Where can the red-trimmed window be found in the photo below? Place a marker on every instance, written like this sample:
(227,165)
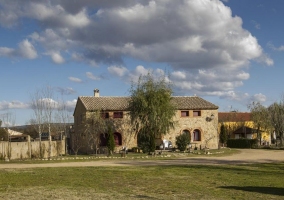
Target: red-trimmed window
(196,113)
(117,114)
(184,113)
(196,135)
(105,115)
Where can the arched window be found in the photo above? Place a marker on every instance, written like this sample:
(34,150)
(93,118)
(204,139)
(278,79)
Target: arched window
(186,132)
(196,135)
(117,139)
(103,138)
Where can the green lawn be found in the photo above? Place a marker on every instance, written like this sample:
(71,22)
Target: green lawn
(258,181)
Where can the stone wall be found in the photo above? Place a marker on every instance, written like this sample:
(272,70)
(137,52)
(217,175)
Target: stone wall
(207,124)
(31,149)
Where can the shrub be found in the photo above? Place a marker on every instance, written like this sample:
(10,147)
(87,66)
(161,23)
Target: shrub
(110,141)
(242,143)
(182,141)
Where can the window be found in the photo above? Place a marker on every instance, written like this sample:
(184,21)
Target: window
(105,115)
(81,119)
(186,132)
(185,113)
(103,140)
(196,113)
(196,135)
(117,139)
(117,114)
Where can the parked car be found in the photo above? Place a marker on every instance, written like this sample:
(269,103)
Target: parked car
(166,145)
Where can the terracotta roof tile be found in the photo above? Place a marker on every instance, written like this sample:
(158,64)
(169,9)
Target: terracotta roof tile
(234,116)
(121,103)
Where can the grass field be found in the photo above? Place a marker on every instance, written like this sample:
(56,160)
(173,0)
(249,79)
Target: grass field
(258,181)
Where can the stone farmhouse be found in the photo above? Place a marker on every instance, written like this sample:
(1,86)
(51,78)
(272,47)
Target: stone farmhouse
(194,116)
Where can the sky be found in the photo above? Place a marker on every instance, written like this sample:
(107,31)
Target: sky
(228,52)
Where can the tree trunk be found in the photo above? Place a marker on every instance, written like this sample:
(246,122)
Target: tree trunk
(152,143)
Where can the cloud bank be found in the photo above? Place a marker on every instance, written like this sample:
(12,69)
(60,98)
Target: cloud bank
(207,49)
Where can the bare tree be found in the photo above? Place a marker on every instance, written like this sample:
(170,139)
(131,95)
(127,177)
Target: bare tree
(63,119)
(9,119)
(276,113)
(77,141)
(49,105)
(38,113)
(43,106)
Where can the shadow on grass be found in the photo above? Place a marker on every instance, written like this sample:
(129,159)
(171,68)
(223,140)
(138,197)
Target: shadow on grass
(143,197)
(263,190)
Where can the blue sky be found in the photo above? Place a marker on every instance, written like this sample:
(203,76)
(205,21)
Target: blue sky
(227,52)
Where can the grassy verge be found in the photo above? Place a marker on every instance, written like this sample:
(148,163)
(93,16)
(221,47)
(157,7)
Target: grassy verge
(258,181)
(130,155)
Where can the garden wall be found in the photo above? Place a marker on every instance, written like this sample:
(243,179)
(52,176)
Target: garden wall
(31,149)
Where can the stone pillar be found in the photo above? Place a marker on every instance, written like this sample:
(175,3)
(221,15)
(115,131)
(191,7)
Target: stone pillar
(49,147)
(29,146)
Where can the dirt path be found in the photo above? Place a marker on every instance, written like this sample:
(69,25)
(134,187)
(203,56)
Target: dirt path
(247,156)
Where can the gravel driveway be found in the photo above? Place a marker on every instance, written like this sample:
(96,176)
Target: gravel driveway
(247,156)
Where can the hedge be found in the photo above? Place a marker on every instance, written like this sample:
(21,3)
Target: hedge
(242,143)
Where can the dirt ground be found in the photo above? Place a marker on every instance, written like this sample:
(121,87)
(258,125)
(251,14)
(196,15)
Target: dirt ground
(247,156)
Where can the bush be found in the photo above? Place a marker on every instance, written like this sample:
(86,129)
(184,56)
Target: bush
(242,143)
(3,135)
(182,141)
(110,141)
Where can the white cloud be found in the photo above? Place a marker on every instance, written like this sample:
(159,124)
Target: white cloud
(25,50)
(74,79)
(57,58)
(5,51)
(71,105)
(205,46)
(4,105)
(90,75)
(242,75)
(66,91)
(280,48)
(256,25)
(117,70)
(259,98)
(178,75)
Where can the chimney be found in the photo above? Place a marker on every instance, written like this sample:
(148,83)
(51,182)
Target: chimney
(96,93)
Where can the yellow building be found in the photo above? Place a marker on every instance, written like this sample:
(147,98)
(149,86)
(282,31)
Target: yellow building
(240,125)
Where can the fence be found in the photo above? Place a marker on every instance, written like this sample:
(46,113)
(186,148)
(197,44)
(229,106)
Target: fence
(31,149)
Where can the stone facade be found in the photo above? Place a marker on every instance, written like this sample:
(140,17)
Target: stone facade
(30,149)
(195,116)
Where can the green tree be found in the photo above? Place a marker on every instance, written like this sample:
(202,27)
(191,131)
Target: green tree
(182,141)
(151,108)
(110,141)
(260,118)
(223,134)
